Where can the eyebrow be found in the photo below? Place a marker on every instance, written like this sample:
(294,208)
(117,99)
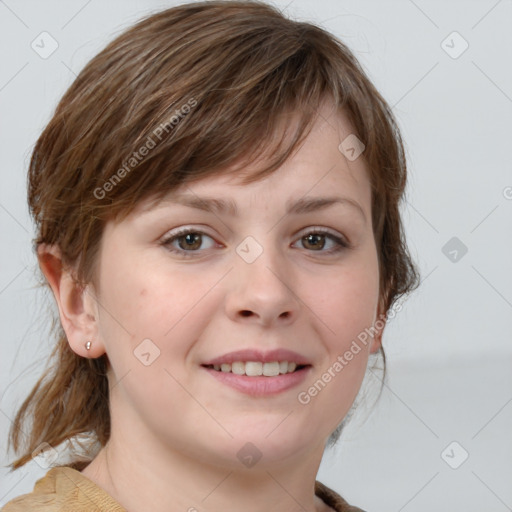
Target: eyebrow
(301,206)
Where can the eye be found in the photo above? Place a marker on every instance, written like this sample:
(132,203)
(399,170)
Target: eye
(316,239)
(188,240)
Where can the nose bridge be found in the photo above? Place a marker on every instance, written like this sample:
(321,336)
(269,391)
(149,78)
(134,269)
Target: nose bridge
(260,260)
(263,278)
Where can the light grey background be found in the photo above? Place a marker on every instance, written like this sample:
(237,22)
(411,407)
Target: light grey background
(450,348)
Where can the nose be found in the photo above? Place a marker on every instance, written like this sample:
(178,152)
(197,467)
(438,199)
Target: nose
(262,291)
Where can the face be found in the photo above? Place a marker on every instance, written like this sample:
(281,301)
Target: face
(258,280)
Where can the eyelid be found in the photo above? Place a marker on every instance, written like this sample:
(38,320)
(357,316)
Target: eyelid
(341,241)
(179,232)
(184,230)
(201,230)
(325,231)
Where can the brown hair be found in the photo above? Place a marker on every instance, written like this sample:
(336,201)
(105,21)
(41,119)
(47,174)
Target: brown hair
(229,72)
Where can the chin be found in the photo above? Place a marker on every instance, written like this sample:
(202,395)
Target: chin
(276,443)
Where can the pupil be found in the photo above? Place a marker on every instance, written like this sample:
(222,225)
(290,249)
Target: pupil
(309,237)
(191,239)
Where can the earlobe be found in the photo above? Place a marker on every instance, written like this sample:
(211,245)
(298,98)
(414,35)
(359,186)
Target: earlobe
(77,315)
(376,343)
(378,326)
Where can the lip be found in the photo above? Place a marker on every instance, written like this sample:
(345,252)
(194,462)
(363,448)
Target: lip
(280,354)
(261,385)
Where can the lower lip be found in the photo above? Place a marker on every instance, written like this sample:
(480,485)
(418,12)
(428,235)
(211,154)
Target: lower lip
(261,385)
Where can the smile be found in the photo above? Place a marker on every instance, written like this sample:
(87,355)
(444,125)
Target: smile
(259,385)
(257,368)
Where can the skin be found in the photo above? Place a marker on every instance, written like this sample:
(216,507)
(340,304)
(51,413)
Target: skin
(176,430)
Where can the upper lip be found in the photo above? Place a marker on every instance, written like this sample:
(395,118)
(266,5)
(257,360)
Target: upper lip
(280,354)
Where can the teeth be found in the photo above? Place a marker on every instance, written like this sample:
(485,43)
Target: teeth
(271,369)
(238,367)
(257,368)
(253,369)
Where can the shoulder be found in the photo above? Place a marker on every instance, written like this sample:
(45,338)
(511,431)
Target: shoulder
(333,499)
(64,489)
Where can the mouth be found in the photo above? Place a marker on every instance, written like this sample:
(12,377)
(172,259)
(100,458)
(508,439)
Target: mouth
(258,368)
(259,374)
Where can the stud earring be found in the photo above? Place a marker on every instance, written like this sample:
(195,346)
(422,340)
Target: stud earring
(88,345)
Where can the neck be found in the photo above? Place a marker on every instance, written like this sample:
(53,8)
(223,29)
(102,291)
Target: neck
(171,481)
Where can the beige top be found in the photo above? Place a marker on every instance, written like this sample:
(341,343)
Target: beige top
(64,489)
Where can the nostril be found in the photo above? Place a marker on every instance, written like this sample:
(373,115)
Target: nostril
(246,313)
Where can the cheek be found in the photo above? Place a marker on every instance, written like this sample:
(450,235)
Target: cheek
(146,327)
(349,304)
(145,301)
(347,313)
(351,318)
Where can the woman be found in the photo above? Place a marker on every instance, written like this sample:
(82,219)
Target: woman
(217,205)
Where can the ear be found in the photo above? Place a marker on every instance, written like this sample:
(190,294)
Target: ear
(378,327)
(77,307)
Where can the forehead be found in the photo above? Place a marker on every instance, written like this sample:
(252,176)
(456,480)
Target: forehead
(320,166)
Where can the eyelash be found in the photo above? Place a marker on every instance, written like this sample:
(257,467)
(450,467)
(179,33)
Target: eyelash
(341,244)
